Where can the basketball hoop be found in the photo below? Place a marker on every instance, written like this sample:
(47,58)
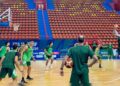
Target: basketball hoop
(16,27)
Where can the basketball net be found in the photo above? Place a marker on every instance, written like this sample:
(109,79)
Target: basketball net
(16,27)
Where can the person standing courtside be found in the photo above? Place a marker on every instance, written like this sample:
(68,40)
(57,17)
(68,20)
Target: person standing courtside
(80,71)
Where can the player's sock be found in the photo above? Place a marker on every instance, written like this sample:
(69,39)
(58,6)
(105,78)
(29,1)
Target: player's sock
(100,66)
(29,78)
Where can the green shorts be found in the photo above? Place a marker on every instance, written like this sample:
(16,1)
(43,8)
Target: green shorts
(48,57)
(99,57)
(26,63)
(80,79)
(11,73)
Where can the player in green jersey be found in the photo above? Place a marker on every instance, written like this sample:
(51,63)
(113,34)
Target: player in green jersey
(29,57)
(80,71)
(26,56)
(110,51)
(3,50)
(49,55)
(8,65)
(97,53)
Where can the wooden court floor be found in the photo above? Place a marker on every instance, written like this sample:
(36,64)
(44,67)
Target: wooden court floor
(109,75)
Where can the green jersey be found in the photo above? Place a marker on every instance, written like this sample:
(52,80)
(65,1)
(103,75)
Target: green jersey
(24,57)
(29,53)
(110,49)
(94,45)
(3,51)
(9,61)
(49,51)
(97,52)
(79,55)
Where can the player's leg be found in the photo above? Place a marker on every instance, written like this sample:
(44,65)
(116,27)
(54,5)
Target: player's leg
(52,60)
(47,63)
(100,62)
(3,73)
(74,80)
(85,78)
(13,75)
(111,56)
(24,65)
(29,71)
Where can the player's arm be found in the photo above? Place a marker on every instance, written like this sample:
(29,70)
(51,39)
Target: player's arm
(24,49)
(63,62)
(2,59)
(62,66)
(17,63)
(93,56)
(8,49)
(1,48)
(116,33)
(46,52)
(33,58)
(95,59)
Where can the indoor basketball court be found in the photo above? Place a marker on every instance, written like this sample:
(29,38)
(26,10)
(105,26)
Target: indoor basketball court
(40,37)
(107,76)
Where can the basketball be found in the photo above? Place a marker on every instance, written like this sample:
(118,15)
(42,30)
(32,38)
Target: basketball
(68,63)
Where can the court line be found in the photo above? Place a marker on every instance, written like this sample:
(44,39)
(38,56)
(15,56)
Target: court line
(113,80)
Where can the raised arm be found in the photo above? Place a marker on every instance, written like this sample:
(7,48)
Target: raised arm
(116,33)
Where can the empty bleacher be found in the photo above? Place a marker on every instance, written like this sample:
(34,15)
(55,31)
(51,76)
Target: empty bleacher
(73,17)
(22,15)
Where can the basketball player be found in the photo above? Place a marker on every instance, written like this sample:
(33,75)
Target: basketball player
(23,61)
(94,45)
(80,71)
(97,53)
(27,54)
(21,49)
(4,49)
(87,44)
(48,55)
(29,57)
(8,65)
(110,50)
